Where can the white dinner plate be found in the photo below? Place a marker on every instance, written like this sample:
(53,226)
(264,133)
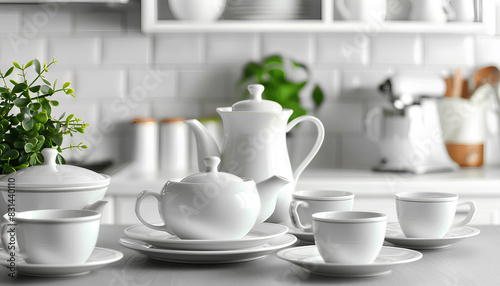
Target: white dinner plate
(302,236)
(99,258)
(209,256)
(395,235)
(259,235)
(309,258)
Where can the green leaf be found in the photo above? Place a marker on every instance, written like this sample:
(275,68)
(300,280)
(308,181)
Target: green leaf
(34,106)
(60,159)
(3,89)
(35,88)
(33,141)
(41,141)
(19,144)
(10,155)
(12,136)
(32,159)
(273,59)
(13,81)
(45,89)
(28,64)
(66,84)
(16,65)
(68,119)
(36,65)
(28,147)
(22,166)
(41,117)
(14,121)
(46,81)
(23,158)
(19,87)
(69,91)
(80,129)
(58,139)
(317,96)
(39,158)
(21,102)
(9,71)
(8,169)
(62,116)
(28,123)
(4,123)
(54,103)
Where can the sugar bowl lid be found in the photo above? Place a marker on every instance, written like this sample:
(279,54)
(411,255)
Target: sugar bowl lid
(255,102)
(212,175)
(53,177)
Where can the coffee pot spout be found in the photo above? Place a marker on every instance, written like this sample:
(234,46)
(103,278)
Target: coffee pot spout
(269,190)
(205,143)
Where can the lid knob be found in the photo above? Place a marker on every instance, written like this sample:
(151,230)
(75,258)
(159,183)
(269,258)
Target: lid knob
(256,91)
(49,156)
(212,162)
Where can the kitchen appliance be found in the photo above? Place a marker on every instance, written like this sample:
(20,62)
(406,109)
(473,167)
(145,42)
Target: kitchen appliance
(255,144)
(408,132)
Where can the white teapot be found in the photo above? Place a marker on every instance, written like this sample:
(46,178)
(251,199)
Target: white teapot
(213,205)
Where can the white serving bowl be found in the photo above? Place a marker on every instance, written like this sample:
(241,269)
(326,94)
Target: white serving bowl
(197,10)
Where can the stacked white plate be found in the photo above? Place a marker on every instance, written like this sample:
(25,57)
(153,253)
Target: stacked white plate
(265,9)
(262,240)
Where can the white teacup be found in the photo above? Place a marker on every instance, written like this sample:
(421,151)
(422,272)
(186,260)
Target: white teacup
(349,237)
(362,10)
(51,236)
(429,214)
(306,203)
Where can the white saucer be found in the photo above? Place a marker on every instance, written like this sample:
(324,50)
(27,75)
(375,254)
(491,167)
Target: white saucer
(259,235)
(98,258)
(309,258)
(302,236)
(395,235)
(209,256)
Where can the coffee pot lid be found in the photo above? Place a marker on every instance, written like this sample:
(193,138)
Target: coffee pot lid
(212,175)
(255,102)
(53,177)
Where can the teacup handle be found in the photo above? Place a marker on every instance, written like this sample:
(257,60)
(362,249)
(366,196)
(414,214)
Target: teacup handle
(294,215)
(470,215)
(138,202)
(316,146)
(5,237)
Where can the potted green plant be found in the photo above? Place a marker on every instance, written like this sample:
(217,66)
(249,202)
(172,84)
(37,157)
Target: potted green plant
(26,122)
(274,73)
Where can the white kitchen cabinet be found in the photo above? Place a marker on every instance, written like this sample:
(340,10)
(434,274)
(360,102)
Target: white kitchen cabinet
(156,18)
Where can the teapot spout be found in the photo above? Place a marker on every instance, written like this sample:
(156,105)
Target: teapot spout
(97,206)
(268,192)
(205,143)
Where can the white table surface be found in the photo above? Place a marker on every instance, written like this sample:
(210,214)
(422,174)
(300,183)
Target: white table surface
(474,261)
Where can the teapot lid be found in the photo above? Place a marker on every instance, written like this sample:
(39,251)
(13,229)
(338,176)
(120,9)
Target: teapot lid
(255,102)
(53,177)
(212,175)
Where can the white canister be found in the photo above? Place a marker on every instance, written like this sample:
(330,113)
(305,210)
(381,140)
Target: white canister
(174,147)
(145,151)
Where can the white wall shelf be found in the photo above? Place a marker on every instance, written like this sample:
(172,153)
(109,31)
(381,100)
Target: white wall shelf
(325,22)
(64,1)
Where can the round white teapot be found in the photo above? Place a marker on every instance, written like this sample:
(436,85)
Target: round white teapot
(213,205)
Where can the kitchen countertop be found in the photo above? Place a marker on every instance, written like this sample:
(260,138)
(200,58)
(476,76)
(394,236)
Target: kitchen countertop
(477,181)
(473,261)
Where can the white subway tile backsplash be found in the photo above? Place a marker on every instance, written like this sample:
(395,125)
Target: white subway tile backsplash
(232,48)
(47,21)
(487,51)
(358,153)
(363,83)
(179,48)
(343,48)
(98,22)
(298,47)
(122,111)
(101,83)
(329,80)
(397,49)
(22,50)
(155,82)
(202,84)
(449,50)
(76,50)
(342,117)
(126,50)
(168,109)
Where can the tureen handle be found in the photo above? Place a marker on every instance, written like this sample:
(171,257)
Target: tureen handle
(49,156)
(316,146)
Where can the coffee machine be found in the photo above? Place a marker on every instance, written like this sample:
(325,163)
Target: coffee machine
(408,131)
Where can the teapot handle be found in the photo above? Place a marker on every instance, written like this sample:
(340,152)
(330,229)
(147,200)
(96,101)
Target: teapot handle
(138,202)
(316,146)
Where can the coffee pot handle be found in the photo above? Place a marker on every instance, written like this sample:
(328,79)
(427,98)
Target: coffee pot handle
(138,202)
(316,146)
(370,125)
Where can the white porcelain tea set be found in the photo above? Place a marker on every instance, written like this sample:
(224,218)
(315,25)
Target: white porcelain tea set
(221,214)
(51,221)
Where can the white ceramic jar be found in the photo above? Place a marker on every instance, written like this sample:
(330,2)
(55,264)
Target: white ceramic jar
(174,147)
(197,10)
